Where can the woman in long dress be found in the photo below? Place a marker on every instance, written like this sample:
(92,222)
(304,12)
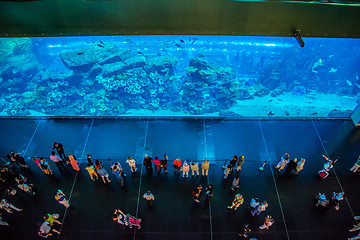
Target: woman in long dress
(74,162)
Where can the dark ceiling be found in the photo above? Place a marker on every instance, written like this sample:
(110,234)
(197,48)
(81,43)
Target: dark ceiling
(185,17)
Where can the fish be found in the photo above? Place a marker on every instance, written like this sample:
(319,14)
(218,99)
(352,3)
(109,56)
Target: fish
(178,45)
(287,113)
(99,45)
(141,53)
(348,83)
(271,113)
(192,42)
(315,113)
(332,70)
(80,53)
(331,56)
(102,42)
(182,41)
(317,64)
(270,100)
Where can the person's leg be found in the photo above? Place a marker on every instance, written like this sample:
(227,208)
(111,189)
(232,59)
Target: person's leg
(183,173)
(197,172)
(207,171)
(165,169)
(192,172)
(59,166)
(15,208)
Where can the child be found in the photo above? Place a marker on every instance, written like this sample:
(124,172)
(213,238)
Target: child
(209,191)
(246,231)
(62,199)
(238,200)
(196,193)
(185,169)
(235,183)
(45,166)
(132,164)
(91,169)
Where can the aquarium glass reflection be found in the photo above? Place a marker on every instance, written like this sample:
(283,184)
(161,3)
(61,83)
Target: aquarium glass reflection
(210,76)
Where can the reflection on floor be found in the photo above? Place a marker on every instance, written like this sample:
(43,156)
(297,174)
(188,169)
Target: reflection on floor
(174,214)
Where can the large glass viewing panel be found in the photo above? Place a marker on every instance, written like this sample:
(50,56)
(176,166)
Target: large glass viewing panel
(158,76)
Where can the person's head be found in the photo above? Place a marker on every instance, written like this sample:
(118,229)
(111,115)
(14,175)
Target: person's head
(156,158)
(257,200)
(179,159)
(34,158)
(129,157)
(55,143)
(206,161)
(199,186)
(268,217)
(286,158)
(192,163)
(41,159)
(242,157)
(148,192)
(97,162)
(235,157)
(53,153)
(146,156)
(116,164)
(237,178)
(45,216)
(264,203)
(166,155)
(295,160)
(89,164)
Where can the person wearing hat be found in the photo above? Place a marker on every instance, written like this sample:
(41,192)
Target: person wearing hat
(149,198)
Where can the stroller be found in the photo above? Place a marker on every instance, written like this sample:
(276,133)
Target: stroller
(126,219)
(132,221)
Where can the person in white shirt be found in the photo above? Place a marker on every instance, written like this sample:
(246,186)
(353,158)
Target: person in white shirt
(149,198)
(132,164)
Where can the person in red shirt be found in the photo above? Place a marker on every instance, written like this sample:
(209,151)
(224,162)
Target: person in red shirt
(177,165)
(156,161)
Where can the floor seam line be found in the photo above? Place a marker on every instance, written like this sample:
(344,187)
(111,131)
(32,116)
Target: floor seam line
(32,137)
(276,188)
(337,178)
(73,186)
(208,181)
(142,167)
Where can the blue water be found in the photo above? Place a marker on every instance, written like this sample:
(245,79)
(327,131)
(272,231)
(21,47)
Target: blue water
(178,75)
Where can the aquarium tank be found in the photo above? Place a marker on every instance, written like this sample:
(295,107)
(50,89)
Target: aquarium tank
(178,76)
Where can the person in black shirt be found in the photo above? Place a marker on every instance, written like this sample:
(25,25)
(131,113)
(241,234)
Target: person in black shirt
(19,160)
(60,149)
(290,167)
(209,191)
(233,163)
(163,163)
(196,193)
(148,164)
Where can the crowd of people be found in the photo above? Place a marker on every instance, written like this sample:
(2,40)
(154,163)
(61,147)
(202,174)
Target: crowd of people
(97,172)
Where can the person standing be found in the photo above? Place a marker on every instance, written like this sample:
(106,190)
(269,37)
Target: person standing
(163,163)
(185,169)
(227,171)
(194,168)
(233,163)
(89,158)
(177,165)
(196,193)
(58,161)
(103,174)
(60,149)
(156,164)
(148,164)
(269,221)
(61,198)
(74,162)
(19,160)
(356,165)
(235,184)
(238,200)
(299,166)
(92,172)
(209,192)
(149,198)
(283,162)
(240,163)
(205,168)
(260,208)
(291,166)
(118,174)
(132,164)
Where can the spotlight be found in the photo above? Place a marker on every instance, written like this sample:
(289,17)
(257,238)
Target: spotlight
(299,39)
